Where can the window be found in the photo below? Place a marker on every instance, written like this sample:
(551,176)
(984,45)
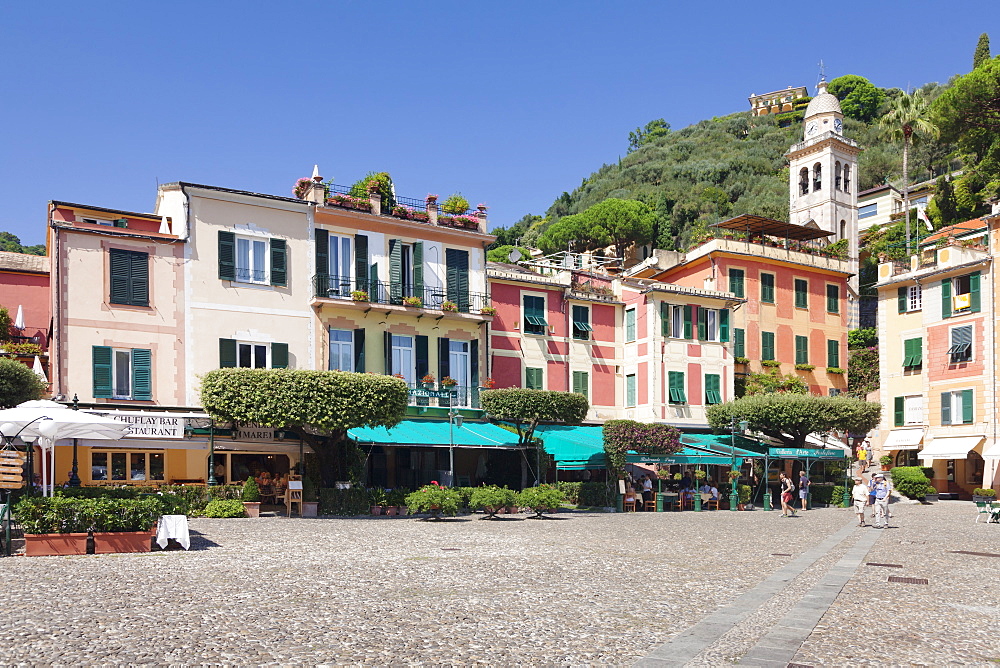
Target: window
(341,350)
(802,350)
(961,344)
(837,175)
(767,288)
(533,379)
(909,298)
(960,295)
(913,353)
(910,410)
(129,277)
(957,407)
(868,210)
(736,280)
(126,466)
(675,387)
(834,392)
(340,265)
(713,324)
(252,259)
(581,323)
(630,390)
(713,391)
(833,353)
(833,299)
(252,355)
(739,343)
(630,325)
(534,315)
(581,383)
(801,293)
(767,345)
(122,373)
(677,322)
(817,177)
(847,178)
(459,362)
(804,181)
(402,360)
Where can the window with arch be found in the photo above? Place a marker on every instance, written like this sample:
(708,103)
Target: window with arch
(817,176)
(837,173)
(843,229)
(804,181)
(847,178)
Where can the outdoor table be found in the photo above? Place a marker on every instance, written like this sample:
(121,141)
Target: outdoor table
(176,527)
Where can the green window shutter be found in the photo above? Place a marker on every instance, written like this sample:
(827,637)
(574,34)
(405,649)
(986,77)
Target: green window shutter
(361,262)
(139,272)
(767,345)
(422,354)
(279,262)
(724,325)
(664,319)
(374,292)
(902,300)
(630,390)
(946,298)
(833,353)
(581,323)
(675,385)
(322,263)
(974,298)
(702,323)
(802,350)
(227,256)
(739,343)
(907,353)
(359,350)
(457,277)
(533,379)
(444,357)
(832,299)
(767,288)
(387,350)
(227,353)
(581,383)
(897,413)
(968,409)
(120,269)
(736,282)
(474,362)
(395,271)
(713,394)
(801,293)
(688,317)
(142,374)
(945,408)
(101,360)
(418,269)
(279,355)
(918,352)
(630,325)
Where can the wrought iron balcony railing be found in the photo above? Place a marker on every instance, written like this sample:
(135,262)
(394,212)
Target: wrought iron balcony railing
(403,294)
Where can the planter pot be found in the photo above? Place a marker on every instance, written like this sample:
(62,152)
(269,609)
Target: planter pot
(931,498)
(252,508)
(511,510)
(310,508)
(121,541)
(375,510)
(975,498)
(391,511)
(55,544)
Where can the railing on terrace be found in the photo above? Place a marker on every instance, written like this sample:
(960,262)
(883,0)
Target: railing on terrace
(402,294)
(410,203)
(462,396)
(790,245)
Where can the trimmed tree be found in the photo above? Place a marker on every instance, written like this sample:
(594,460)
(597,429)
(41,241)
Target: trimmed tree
(319,406)
(789,418)
(18,383)
(620,436)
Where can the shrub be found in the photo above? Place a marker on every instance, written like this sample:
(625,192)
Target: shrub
(570,491)
(126,514)
(979,491)
(910,481)
(540,498)
(343,502)
(745,492)
(928,471)
(837,496)
(456,204)
(397,497)
(492,498)
(377,497)
(435,499)
(251,493)
(225,508)
(68,514)
(465,494)
(600,494)
(821,493)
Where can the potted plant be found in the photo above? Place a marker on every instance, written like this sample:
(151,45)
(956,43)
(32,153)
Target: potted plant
(310,498)
(541,499)
(251,497)
(678,476)
(488,384)
(734,475)
(699,474)
(434,499)
(931,495)
(984,495)
(359,295)
(455,204)
(449,305)
(744,491)
(664,474)
(413,301)
(488,310)
(886,462)
(376,500)
(428,381)
(491,499)
(125,525)
(53,526)
(448,381)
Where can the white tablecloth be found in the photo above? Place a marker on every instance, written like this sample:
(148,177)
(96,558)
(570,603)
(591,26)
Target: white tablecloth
(176,527)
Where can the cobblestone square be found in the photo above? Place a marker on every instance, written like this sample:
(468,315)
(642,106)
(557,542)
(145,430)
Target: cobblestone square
(579,589)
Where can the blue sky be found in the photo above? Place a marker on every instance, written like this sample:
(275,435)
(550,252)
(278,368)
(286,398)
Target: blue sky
(508,102)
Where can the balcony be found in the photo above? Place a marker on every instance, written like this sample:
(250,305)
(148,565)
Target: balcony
(398,294)
(407,208)
(792,251)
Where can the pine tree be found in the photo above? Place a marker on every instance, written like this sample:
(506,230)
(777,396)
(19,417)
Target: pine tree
(982,51)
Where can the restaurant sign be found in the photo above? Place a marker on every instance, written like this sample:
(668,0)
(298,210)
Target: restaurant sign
(149,425)
(438,394)
(254,432)
(707,460)
(804,453)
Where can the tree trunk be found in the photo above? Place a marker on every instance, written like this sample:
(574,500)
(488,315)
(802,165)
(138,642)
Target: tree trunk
(906,185)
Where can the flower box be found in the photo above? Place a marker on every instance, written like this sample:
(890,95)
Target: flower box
(56,544)
(112,542)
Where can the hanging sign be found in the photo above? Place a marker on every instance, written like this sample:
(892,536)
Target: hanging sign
(804,453)
(433,394)
(254,432)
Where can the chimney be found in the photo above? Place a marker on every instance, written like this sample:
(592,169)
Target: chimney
(316,192)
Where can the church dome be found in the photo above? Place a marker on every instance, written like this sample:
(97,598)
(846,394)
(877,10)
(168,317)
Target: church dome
(823,102)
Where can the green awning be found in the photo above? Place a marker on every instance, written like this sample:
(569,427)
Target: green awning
(722,444)
(574,448)
(685,456)
(436,433)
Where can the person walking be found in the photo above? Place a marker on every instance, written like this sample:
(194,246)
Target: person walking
(881,489)
(860,496)
(803,488)
(863,457)
(787,487)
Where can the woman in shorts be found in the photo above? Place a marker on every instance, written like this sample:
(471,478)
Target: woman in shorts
(787,487)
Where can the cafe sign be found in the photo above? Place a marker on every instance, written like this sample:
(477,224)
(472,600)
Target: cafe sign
(438,394)
(804,453)
(150,425)
(251,431)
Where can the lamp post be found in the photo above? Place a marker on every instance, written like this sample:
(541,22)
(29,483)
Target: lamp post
(74,477)
(734,481)
(212,481)
(454,419)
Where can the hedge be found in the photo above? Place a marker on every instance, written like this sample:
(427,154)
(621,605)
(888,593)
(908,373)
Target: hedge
(601,494)
(343,502)
(910,481)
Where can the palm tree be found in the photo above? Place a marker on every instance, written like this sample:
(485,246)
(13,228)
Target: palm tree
(908,117)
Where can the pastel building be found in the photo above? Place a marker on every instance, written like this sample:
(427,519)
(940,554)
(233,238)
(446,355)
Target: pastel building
(24,288)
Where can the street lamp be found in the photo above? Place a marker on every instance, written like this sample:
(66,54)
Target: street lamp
(734,481)
(74,476)
(454,419)
(212,481)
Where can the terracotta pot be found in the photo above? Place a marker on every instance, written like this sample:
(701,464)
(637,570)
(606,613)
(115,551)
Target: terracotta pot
(252,508)
(391,511)
(375,510)
(310,508)
(121,541)
(55,544)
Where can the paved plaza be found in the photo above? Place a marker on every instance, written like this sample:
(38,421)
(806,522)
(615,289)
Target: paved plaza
(699,589)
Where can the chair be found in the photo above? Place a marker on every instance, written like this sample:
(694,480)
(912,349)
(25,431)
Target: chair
(628,504)
(707,502)
(671,502)
(650,504)
(984,509)
(293,495)
(267,492)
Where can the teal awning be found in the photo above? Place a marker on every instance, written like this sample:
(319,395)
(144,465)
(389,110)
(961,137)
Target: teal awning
(805,453)
(574,448)
(685,456)
(436,433)
(722,444)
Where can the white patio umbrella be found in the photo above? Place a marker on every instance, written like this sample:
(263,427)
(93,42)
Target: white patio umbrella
(39,370)
(19,320)
(48,422)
